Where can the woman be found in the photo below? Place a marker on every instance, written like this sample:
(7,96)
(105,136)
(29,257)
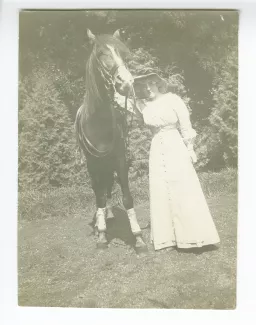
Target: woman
(178,209)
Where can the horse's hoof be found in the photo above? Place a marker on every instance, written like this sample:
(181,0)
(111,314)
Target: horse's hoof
(102,242)
(141,249)
(102,245)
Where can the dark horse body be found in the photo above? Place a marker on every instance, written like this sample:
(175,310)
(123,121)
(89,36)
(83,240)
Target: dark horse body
(100,128)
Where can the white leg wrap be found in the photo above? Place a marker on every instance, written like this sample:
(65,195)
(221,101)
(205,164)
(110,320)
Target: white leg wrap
(133,221)
(101,219)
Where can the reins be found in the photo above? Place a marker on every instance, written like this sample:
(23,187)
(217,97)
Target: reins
(128,128)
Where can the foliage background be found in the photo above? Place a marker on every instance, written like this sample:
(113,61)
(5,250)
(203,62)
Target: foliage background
(197,51)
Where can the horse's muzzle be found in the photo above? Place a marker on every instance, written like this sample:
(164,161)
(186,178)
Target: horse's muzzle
(123,80)
(123,89)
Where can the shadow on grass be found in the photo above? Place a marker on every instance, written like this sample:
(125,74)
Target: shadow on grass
(118,227)
(197,250)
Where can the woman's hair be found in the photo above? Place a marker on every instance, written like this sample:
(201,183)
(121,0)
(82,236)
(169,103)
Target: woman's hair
(162,86)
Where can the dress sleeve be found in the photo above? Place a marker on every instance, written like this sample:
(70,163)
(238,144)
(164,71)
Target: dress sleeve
(188,133)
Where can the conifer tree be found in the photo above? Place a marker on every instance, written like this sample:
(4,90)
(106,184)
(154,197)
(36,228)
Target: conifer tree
(224,117)
(46,139)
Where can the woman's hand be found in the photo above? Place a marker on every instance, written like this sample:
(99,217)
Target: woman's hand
(191,152)
(192,155)
(141,105)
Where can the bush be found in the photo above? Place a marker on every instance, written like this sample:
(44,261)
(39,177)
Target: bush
(196,53)
(47,147)
(217,143)
(224,117)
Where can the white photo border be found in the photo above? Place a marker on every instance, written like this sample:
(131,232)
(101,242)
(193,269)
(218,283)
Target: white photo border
(246,297)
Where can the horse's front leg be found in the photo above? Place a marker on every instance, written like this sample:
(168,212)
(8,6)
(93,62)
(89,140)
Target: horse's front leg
(101,214)
(127,199)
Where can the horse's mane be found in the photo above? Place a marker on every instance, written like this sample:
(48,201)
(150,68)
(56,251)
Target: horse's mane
(97,75)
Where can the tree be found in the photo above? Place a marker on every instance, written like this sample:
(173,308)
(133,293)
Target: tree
(46,139)
(196,51)
(224,117)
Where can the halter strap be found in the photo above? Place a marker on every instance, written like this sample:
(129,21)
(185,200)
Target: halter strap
(114,70)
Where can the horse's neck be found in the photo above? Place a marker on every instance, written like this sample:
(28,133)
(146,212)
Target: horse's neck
(106,89)
(104,105)
(107,95)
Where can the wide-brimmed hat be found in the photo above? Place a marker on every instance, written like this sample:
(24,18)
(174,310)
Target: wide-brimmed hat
(141,81)
(144,79)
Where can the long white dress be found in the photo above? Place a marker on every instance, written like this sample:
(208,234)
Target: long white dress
(178,210)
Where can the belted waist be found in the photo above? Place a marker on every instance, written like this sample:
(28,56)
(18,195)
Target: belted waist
(166,128)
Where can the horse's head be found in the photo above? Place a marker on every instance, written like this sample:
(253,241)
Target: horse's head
(109,50)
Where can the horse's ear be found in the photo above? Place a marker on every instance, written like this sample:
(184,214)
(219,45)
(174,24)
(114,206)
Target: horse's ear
(117,34)
(90,35)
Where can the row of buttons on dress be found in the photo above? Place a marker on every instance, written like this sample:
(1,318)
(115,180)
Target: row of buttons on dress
(166,175)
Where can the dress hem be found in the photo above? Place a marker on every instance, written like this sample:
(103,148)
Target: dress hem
(185,245)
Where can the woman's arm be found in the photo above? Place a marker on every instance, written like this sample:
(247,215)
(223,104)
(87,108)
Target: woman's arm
(187,131)
(139,106)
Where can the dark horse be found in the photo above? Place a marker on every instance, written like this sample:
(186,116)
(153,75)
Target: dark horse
(100,129)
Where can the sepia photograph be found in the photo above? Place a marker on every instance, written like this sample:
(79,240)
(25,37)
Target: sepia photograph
(128,158)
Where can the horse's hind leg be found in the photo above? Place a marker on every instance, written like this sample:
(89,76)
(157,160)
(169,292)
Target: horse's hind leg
(122,172)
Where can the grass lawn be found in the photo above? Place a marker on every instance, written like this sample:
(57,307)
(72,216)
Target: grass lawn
(60,266)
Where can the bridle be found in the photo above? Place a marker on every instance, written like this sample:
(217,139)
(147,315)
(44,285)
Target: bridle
(128,128)
(114,69)
(113,73)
